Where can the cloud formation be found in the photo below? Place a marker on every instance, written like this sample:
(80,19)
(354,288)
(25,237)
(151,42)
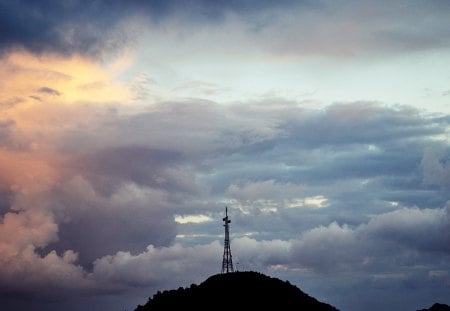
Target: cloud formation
(123,177)
(116,164)
(96,28)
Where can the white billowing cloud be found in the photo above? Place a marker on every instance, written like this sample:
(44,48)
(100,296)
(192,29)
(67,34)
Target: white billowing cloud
(21,234)
(318,201)
(323,249)
(326,249)
(386,237)
(159,266)
(255,254)
(184,219)
(26,228)
(266,195)
(270,195)
(421,229)
(31,226)
(373,246)
(179,263)
(53,274)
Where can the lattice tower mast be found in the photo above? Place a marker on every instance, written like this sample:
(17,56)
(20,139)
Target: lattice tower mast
(227,262)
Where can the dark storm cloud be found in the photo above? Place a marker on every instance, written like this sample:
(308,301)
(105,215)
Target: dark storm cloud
(140,165)
(360,123)
(343,141)
(114,224)
(87,27)
(372,165)
(81,26)
(125,201)
(96,28)
(51,25)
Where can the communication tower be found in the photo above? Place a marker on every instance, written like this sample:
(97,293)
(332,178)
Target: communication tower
(227,262)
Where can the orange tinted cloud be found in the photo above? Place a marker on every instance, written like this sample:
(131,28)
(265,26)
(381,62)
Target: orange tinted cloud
(42,100)
(42,97)
(32,80)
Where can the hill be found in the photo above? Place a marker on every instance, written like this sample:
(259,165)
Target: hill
(437,307)
(235,291)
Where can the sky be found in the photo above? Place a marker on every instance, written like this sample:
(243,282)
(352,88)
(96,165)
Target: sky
(126,127)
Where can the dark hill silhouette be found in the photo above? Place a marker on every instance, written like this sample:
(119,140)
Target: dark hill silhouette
(235,291)
(437,307)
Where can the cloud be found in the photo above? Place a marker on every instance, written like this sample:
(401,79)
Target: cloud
(289,30)
(435,168)
(92,183)
(58,274)
(22,229)
(268,189)
(295,28)
(159,266)
(363,122)
(48,90)
(122,190)
(253,254)
(323,249)
(6,128)
(60,27)
(367,27)
(191,219)
(374,247)
(386,239)
(326,249)
(423,229)
(95,29)
(22,233)
(140,165)
(67,76)
(128,218)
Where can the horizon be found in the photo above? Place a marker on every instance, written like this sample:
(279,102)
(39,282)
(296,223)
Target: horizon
(127,127)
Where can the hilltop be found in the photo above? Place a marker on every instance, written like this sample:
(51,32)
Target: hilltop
(437,307)
(235,291)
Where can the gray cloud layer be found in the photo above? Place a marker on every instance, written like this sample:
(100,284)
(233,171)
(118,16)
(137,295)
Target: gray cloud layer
(356,188)
(350,197)
(345,28)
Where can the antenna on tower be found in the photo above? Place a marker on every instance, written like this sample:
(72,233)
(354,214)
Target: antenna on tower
(227,262)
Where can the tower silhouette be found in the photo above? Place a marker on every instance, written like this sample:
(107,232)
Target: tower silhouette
(227,262)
